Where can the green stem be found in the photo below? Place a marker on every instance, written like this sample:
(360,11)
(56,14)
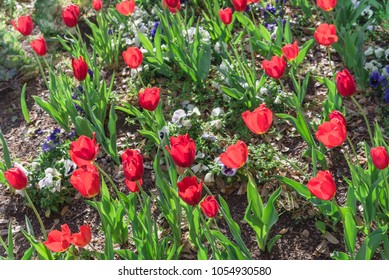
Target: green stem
(365,118)
(41,70)
(108,178)
(36,214)
(353,149)
(386,174)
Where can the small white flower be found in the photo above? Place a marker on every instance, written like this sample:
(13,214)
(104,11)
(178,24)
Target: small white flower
(216,124)
(47,181)
(70,166)
(387,54)
(379,52)
(367,13)
(385,71)
(164,132)
(187,124)
(369,51)
(217,112)
(263,91)
(178,115)
(57,186)
(209,178)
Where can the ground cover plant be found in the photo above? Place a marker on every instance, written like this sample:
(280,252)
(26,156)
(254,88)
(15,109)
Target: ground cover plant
(194,130)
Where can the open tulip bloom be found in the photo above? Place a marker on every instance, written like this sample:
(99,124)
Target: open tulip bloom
(25,25)
(235,155)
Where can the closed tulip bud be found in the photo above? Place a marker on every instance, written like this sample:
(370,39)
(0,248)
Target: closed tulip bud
(235,155)
(291,51)
(182,150)
(332,134)
(84,150)
(133,186)
(209,206)
(149,98)
(39,46)
(275,67)
(345,83)
(59,241)
(190,190)
(379,155)
(70,15)
(16,178)
(173,5)
(82,238)
(133,167)
(86,181)
(240,5)
(225,15)
(25,25)
(259,121)
(126,8)
(326,5)
(133,57)
(325,34)
(337,115)
(322,186)
(97,5)
(80,68)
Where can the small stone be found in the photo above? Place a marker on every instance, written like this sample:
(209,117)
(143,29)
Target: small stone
(305,233)
(283,231)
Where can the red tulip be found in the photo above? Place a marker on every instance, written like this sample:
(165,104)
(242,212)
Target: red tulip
(332,134)
(80,68)
(97,5)
(132,165)
(210,206)
(379,155)
(182,150)
(259,121)
(235,155)
(322,186)
(133,186)
(239,5)
(337,115)
(149,98)
(173,5)
(326,5)
(275,67)
(84,150)
(70,15)
(16,178)
(82,238)
(59,241)
(126,7)
(225,15)
(86,181)
(345,83)
(133,57)
(291,51)
(190,190)
(25,25)
(325,34)
(39,46)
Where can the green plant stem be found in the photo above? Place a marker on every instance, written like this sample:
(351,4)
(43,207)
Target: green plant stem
(386,174)
(41,70)
(108,178)
(36,214)
(353,149)
(365,118)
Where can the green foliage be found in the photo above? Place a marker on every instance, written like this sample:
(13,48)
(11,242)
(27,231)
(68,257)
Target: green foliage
(47,16)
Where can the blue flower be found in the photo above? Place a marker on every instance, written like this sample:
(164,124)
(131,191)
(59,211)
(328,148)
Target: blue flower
(228,171)
(375,79)
(90,72)
(110,31)
(386,96)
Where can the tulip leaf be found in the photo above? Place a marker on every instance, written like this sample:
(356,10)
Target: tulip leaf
(288,32)
(303,51)
(350,229)
(372,241)
(126,254)
(298,187)
(6,155)
(23,104)
(43,252)
(234,93)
